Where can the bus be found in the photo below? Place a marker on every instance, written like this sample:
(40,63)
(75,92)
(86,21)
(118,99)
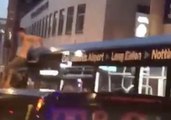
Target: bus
(122,80)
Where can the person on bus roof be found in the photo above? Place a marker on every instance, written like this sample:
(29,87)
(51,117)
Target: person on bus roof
(26,43)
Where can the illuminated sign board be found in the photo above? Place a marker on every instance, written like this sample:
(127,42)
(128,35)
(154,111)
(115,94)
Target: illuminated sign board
(122,56)
(40,10)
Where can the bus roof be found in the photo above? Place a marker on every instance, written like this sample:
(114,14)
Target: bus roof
(154,50)
(120,43)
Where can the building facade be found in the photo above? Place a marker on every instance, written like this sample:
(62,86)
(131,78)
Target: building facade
(70,22)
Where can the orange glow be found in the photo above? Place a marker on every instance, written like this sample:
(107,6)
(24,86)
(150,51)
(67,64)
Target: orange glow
(40,104)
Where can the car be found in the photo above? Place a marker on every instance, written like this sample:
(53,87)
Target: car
(103,106)
(18,104)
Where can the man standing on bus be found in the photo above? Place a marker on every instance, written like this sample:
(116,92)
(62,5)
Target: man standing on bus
(27,42)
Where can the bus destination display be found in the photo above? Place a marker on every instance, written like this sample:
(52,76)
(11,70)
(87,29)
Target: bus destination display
(121,56)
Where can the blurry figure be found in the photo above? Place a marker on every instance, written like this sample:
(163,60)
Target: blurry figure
(27,42)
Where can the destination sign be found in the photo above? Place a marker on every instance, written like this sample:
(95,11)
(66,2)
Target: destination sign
(163,54)
(121,56)
(106,56)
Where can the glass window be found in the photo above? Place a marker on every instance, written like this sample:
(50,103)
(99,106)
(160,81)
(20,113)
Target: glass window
(32,28)
(28,30)
(152,81)
(36,28)
(80,18)
(77,79)
(115,79)
(46,26)
(40,29)
(70,15)
(61,22)
(55,18)
(36,33)
(43,26)
(50,25)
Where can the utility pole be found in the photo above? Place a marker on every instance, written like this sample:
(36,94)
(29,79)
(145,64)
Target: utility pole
(11,27)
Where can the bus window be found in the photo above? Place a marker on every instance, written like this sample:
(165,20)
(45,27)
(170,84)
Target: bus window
(50,25)
(116,79)
(77,79)
(152,81)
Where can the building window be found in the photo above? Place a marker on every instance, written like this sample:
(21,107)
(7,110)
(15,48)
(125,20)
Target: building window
(46,26)
(43,26)
(38,28)
(32,29)
(80,18)
(50,25)
(61,22)
(55,19)
(29,32)
(69,23)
